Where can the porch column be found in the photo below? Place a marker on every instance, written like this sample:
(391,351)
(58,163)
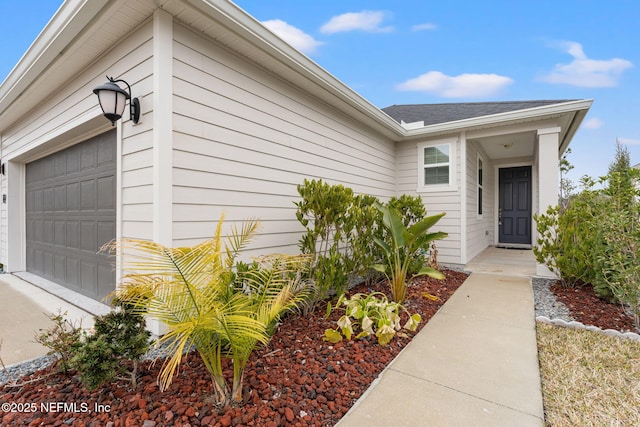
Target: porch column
(548,175)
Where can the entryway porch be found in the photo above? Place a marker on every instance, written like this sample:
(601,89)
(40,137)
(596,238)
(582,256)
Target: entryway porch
(515,262)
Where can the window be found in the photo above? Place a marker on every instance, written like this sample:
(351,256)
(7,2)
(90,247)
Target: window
(436,165)
(480,175)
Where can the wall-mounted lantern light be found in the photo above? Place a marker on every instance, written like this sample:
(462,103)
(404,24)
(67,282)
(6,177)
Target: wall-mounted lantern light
(2,169)
(113,98)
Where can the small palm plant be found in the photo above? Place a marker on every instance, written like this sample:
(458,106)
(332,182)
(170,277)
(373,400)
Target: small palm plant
(405,242)
(192,290)
(274,287)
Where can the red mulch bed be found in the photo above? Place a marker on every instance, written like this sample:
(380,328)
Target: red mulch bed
(587,308)
(299,380)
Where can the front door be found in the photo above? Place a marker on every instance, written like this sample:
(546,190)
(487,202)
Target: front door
(514,209)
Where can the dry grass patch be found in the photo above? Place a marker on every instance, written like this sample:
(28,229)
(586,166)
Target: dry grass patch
(588,379)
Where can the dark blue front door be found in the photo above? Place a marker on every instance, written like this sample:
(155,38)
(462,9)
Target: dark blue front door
(514,214)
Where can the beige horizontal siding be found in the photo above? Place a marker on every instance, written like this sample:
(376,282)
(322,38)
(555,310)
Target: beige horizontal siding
(435,202)
(244,139)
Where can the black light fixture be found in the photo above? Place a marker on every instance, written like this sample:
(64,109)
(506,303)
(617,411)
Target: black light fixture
(2,169)
(112,99)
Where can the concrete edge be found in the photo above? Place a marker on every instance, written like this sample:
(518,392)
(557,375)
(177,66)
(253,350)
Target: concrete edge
(578,325)
(80,301)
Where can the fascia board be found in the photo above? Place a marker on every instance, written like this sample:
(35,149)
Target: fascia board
(502,118)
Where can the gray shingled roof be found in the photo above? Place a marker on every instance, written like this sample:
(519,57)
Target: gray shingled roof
(433,114)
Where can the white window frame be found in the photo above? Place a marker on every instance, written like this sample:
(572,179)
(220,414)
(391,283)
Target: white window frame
(453,153)
(480,186)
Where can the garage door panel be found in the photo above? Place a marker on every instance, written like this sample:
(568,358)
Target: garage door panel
(88,234)
(105,279)
(88,195)
(37,200)
(59,267)
(106,155)
(73,234)
(73,160)
(60,233)
(106,231)
(70,204)
(106,195)
(73,196)
(38,228)
(73,270)
(87,157)
(47,262)
(60,198)
(48,199)
(88,277)
(60,165)
(48,233)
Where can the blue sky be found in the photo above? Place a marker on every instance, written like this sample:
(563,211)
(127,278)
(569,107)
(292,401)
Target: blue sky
(428,51)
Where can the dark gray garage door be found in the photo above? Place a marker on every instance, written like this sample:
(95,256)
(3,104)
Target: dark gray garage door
(71,200)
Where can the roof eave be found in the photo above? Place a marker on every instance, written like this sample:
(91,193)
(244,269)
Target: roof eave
(505,118)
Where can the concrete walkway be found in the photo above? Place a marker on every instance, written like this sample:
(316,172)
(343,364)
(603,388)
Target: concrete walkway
(24,311)
(475,363)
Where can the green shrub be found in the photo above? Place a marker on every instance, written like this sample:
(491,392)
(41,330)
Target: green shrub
(568,241)
(619,264)
(341,232)
(96,362)
(119,336)
(326,211)
(595,238)
(62,339)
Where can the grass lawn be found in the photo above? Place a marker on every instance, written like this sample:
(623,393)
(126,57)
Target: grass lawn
(588,379)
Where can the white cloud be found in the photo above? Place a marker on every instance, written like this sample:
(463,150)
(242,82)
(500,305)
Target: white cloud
(367,20)
(628,141)
(586,72)
(462,86)
(593,123)
(292,35)
(424,27)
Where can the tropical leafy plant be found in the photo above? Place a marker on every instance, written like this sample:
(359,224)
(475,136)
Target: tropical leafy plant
(374,314)
(405,242)
(196,294)
(274,285)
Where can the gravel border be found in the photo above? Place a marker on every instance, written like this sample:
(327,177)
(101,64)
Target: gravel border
(551,311)
(546,303)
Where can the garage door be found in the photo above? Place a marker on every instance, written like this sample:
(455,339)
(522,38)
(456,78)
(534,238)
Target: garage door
(70,210)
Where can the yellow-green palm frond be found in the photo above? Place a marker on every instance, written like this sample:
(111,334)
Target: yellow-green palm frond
(239,239)
(190,290)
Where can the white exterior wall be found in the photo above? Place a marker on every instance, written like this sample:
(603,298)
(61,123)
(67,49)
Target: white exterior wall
(244,139)
(480,230)
(73,115)
(437,201)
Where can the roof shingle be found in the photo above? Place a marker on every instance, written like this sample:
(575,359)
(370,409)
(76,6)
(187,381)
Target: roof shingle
(433,114)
